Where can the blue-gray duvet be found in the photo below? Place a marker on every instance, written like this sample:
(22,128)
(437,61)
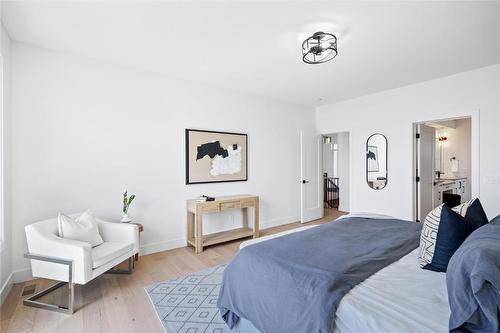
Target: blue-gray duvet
(294,283)
(473,282)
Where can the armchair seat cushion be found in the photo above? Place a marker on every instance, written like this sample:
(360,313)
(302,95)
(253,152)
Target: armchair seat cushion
(108,251)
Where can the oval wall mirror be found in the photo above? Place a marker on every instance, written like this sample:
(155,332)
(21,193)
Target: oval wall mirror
(376,161)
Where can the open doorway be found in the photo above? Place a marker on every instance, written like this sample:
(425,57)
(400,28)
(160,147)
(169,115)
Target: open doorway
(335,173)
(442,159)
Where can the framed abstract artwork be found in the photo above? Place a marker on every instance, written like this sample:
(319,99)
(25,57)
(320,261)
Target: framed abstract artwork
(215,157)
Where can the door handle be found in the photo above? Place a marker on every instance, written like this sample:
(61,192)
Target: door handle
(305,181)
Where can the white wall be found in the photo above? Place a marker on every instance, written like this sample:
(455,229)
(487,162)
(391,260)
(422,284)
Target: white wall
(84,131)
(329,163)
(328,159)
(6,244)
(392,114)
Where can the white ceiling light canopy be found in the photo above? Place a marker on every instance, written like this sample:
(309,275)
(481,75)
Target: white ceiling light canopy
(319,48)
(334,26)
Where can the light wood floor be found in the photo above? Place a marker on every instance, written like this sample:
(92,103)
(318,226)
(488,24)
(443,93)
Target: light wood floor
(118,303)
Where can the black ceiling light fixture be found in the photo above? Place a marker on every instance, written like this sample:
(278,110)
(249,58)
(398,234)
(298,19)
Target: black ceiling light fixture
(319,48)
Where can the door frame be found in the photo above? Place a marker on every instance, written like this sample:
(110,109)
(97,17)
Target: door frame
(475,154)
(349,177)
(416,157)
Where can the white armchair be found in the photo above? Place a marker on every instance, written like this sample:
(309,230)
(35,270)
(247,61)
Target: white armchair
(75,262)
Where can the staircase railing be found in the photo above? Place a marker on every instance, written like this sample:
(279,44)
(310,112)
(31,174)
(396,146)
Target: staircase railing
(331,192)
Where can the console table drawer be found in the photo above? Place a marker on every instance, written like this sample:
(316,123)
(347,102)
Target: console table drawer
(247,203)
(230,205)
(208,208)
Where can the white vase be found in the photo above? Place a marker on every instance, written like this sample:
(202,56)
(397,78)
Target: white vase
(126,218)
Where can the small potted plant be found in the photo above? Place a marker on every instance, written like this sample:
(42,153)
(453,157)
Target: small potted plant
(126,204)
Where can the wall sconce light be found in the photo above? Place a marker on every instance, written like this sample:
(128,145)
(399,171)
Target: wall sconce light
(442,138)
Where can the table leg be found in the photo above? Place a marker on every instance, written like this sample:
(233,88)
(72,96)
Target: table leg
(199,233)
(256,220)
(244,212)
(136,256)
(189,227)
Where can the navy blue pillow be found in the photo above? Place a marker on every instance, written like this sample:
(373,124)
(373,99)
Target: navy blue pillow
(475,216)
(452,231)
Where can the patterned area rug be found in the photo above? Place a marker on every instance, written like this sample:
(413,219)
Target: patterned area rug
(188,304)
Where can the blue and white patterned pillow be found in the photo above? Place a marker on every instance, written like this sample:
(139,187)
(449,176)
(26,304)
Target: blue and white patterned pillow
(428,236)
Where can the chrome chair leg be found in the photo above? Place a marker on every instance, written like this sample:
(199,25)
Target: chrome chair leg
(130,262)
(32,300)
(70,308)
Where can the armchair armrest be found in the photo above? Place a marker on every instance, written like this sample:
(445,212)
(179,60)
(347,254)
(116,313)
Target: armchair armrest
(54,260)
(119,232)
(47,245)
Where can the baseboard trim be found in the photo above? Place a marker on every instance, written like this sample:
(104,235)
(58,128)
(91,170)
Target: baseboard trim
(7,286)
(23,275)
(279,221)
(181,242)
(162,246)
(17,276)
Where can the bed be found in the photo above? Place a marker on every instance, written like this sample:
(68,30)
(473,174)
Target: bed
(400,297)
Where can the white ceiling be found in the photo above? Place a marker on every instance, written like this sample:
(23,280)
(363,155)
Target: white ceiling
(255,47)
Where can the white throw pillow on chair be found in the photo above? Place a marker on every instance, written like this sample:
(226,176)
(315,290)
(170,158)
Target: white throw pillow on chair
(83,228)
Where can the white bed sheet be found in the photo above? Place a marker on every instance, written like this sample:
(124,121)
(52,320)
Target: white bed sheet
(399,298)
(366,216)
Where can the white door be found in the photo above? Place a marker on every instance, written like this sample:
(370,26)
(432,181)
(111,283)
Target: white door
(311,185)
(426,165)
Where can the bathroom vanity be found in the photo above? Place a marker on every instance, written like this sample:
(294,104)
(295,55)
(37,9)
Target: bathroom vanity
(454,185)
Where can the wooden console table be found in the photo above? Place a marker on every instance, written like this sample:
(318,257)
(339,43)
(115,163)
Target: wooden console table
(196,209)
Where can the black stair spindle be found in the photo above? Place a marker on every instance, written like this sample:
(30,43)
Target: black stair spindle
(331,192)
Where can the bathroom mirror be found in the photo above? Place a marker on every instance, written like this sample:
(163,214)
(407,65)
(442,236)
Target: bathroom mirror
(376,161)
